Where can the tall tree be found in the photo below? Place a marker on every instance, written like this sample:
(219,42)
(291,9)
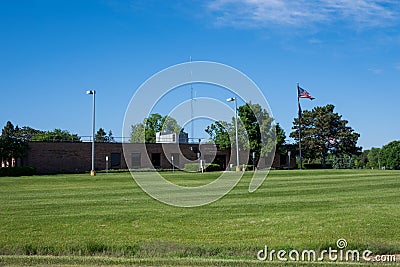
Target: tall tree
(249,114)
(390,155)
(103,137)
(280,140)
(110,137)
(169,124)
(361,161)
(325,132)
(153,125)
(220,132)
(373,158)
(146,131)
(27,133)
(259,127)
(57,135)
(256,132)
(138,133)
(12,147)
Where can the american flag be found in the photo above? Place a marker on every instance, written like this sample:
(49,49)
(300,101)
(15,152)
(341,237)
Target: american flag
(302,93)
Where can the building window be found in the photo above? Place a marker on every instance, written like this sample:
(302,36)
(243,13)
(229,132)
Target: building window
(136,160)
(115,160)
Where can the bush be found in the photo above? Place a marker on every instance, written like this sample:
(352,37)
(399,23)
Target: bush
(248,167)
(315,166)
(17,171)
(212,167)
(343,162)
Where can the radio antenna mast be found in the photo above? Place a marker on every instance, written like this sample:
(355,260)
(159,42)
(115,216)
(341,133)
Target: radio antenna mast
(191,97)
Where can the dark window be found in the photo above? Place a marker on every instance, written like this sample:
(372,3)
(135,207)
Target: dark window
(115,160)
(136,160)
(156,159)
(221,161)
(284,160)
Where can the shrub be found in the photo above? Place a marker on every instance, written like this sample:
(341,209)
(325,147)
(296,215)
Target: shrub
(17,171)
(313,166)
(212,167)
(248,167)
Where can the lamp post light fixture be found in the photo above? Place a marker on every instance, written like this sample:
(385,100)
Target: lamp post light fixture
(92,92)
(173,167)
(254,161)
(107,164)
(236,132)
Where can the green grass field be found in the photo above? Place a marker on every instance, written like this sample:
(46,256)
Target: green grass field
(109,220)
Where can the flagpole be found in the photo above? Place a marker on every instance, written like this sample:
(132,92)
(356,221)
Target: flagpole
(298,102)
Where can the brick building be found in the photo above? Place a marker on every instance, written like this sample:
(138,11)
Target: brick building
(70,157)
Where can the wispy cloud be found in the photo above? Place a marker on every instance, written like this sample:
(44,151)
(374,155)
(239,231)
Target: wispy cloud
(376,71)
(266,13)
(397,66)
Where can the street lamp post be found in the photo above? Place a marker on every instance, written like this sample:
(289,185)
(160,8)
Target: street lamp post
(107,164)
(254,161)
(92,92)
(236,132)
(173,167)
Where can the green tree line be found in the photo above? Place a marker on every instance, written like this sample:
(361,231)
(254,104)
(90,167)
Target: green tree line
(14,140)
(386,157)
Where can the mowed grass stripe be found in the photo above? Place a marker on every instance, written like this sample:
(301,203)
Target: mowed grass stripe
(118,261)
(111,215)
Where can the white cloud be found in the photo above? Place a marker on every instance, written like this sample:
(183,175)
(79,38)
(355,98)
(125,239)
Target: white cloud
(265,13)
(376,71)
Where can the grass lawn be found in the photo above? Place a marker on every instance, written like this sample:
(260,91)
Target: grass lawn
(109,220)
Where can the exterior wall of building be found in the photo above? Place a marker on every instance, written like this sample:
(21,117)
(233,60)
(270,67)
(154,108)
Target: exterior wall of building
(49,157)
(64,157)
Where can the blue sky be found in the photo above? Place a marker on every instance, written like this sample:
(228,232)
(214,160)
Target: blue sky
(343,52)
